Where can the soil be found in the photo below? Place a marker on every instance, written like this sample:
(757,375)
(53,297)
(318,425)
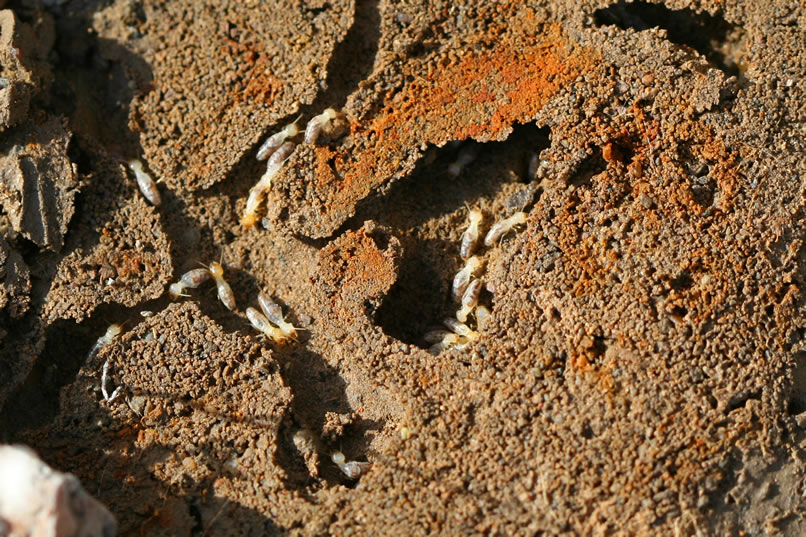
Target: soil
(643,371)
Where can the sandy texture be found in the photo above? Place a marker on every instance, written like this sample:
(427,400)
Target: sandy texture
(23,57)
(223,74)
(120,253)
(643,369)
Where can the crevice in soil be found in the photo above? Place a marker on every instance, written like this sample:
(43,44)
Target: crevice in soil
(421,297)
(352,59)
(710,35)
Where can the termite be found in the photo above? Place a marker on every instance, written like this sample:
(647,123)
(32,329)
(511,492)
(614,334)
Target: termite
(436,336)
(471,235)
(482,317)
(352,469)
(462,278)
(260,323)
(531,169)
(466,155)
(448,340)
(105,381)
(503,227)
(274,165)
(274,314)
(469,300)
(276,140)
(460,329)
(317,123)
(109,336)
(190,279)
(224,290)
(147,185)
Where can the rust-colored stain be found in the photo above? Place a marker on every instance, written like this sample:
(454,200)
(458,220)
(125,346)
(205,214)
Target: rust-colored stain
(253,81)
(355,269)
(479,94)
(639,143)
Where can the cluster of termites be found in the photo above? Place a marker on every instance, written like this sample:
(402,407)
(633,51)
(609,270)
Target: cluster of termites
(195,277)
(271,322)
(277,149)
(308,443)
(467,284)
(352,469)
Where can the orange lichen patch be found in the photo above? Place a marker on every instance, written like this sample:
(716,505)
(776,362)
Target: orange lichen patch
(253,81)
(480,94)
(520,78)
(354,269)
(324,170)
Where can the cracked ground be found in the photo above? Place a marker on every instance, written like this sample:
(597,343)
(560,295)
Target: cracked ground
(643,367)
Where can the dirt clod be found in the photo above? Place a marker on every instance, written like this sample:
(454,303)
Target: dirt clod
(38,183)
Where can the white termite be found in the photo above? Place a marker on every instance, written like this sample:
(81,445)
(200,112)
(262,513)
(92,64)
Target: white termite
(144,181)
(260,323)
(460,329)
(317,123)
(105,382)
(257,192)
(448,340)
(534,164)
(471,235)
(352,469)
(189,280)
(274,314)
(277,139)
(483,316)
(109,336)
(503,227)
(466,155)
(462,278)
(436,336)
(469,300)
(225,294)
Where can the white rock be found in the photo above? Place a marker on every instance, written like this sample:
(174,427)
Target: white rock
(37,501)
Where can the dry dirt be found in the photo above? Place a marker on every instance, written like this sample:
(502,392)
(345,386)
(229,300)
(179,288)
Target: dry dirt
(644,368)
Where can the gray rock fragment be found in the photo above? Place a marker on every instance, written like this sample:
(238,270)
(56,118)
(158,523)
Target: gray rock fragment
(25,71)
(15,282)
(38,183)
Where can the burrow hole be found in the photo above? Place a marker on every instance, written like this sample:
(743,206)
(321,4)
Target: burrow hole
(722,43)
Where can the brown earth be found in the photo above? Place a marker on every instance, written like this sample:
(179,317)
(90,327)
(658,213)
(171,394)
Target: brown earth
(644,369)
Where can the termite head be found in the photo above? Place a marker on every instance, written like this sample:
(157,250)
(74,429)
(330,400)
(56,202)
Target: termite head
(216,270)
(338,458)
(113,331)
(482,317)
(473,264)
(474,217)
(176,290)
(292,129)
(248,220)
